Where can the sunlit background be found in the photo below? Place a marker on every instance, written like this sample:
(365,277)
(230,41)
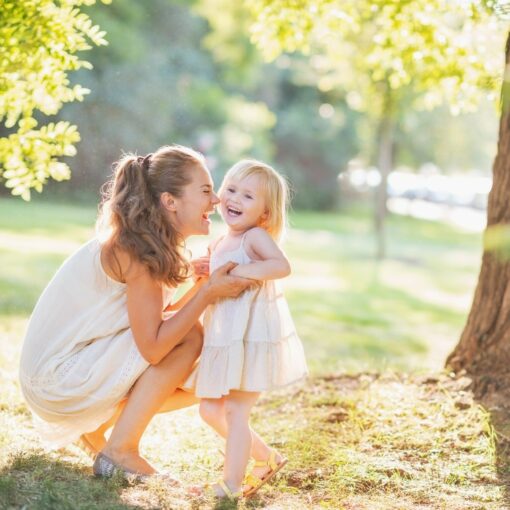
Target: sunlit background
(187,72)
(379,286)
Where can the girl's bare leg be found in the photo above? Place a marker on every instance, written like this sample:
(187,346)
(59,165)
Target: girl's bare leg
(150,394)
(213,412)
(238,405)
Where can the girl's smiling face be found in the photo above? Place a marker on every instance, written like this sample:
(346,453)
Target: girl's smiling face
(243,204)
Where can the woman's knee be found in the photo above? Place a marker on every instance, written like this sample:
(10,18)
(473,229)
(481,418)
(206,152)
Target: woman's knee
(184,354)
(193,340)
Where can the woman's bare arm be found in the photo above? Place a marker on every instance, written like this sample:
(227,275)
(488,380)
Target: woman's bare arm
(186,297)
(156,337)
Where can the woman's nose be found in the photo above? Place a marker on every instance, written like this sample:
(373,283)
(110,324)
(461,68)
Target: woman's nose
(215,199)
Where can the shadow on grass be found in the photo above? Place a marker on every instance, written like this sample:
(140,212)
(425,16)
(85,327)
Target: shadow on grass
(36,480)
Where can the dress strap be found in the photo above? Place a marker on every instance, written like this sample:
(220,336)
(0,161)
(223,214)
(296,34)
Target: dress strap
(242,240)
(214,244)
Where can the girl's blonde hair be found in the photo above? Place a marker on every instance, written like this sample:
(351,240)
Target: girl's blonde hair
(276,193)
(131,216)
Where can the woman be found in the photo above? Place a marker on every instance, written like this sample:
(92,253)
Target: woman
(100,351)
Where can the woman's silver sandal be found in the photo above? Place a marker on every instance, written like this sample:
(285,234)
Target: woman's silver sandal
(105,467)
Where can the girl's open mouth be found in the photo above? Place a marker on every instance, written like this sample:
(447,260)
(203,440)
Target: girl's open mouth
(233,211)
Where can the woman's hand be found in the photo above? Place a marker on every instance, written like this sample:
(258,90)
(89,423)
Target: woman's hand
(200,268)
(221,284)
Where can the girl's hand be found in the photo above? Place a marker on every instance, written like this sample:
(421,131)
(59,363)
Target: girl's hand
(200,268)
(221,284)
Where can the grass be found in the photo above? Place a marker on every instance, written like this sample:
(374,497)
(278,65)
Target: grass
(405,312)
(377,426)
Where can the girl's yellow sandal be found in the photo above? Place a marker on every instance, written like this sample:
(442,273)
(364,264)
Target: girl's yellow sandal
(253,482)
(232,496)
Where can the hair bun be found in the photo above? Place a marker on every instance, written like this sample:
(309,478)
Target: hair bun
(144,161)
(147,161)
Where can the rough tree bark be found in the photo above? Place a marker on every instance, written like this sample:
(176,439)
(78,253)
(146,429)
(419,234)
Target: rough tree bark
(483,350)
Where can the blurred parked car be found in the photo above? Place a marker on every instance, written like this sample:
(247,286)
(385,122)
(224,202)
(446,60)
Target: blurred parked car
(430,185)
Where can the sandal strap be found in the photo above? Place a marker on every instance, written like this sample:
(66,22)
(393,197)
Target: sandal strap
(271,462)
(252,480)
(230,495)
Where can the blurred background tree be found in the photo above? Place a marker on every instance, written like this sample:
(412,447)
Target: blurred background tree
(389,59)
(40,42)
(179,71)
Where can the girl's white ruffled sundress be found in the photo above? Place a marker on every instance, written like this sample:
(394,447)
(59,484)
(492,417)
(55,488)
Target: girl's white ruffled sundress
(250,342)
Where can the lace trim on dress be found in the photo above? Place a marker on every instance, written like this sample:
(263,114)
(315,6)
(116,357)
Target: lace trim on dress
(65,367)
(128,369)
(52,378)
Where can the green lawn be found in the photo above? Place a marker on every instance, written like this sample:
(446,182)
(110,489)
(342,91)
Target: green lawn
(352,312)
(405,312)
(372,429)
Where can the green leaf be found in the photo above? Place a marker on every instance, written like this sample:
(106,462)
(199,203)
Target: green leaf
(40,43)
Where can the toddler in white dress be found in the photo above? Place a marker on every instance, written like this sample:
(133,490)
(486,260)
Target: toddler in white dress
(250,343)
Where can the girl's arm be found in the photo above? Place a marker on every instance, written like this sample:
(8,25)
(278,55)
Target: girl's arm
(273,263)
(154,336)
(186,297)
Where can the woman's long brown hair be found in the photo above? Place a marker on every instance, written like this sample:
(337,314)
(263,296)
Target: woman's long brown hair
(131,217)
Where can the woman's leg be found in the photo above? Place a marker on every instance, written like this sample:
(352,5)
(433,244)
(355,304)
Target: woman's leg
(177,400)
(150,394)
(213,412)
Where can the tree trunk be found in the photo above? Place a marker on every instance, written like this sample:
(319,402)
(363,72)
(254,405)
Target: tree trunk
(484,347)
(385,164)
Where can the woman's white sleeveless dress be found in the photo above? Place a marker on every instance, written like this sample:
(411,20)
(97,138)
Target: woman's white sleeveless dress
(79,357)
(250,342)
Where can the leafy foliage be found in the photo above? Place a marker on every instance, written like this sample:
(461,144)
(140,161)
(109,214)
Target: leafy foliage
(389,54)
(333,69)
(500,7)
(40,42)
(169,75)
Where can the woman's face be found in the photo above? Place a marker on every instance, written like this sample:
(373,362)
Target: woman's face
(190,212)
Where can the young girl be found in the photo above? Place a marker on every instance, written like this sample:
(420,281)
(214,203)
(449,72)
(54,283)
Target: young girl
(250,343)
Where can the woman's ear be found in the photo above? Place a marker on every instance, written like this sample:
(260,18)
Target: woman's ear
(168,201)
(264,218)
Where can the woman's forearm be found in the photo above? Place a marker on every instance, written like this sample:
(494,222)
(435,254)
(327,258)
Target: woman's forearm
(157,340)
(173,330)
(187,297)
